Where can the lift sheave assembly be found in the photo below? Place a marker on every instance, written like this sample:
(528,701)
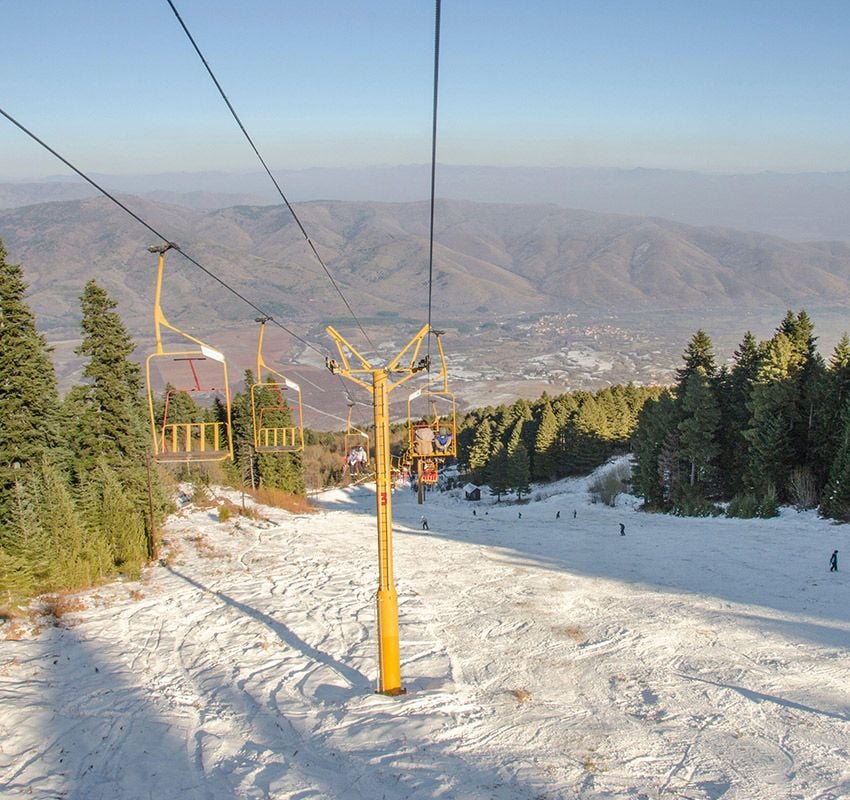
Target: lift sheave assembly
(181,430)
(278,422)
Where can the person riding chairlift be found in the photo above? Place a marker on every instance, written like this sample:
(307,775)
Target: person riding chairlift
(423,439)
(442,441)
(353,461)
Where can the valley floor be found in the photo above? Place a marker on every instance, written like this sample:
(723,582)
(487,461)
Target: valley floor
(544,658)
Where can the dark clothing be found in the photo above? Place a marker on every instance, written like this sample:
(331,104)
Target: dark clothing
(574,514)
(622,529)
(425,524)
(558,515)
(833,561)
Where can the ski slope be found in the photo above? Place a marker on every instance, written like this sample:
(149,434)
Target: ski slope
(544,658)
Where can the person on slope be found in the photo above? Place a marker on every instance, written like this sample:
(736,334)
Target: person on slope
(833,561)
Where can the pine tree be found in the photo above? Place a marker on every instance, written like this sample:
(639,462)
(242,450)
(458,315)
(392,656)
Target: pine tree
(112,426)
(774,404)
(112,430)
(698,429)
(829,428)
(835,502)
(498,471)
(29,401)
(698,353)
(545,457)
(734,390)
(656,418)
(481,449)
(518,470)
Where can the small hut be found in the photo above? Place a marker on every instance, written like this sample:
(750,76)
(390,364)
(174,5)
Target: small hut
(472,492)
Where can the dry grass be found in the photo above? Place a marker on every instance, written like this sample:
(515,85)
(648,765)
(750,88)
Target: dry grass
(277,498)
(8,613)
(521,695)
(61,604)
(14,632)
(204,548)
(136,594)
(574,632)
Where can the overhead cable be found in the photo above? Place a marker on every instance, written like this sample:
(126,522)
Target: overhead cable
(155,232)
(269,173)
(433,164)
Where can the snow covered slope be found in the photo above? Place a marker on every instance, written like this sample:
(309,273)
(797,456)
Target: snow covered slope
(544,658)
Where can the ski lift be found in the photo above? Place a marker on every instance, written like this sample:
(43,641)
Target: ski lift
(271,414)
(183,432)
(432,433)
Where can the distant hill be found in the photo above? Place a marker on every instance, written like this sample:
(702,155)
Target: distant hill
(533,298)
(491,261)
(799,206)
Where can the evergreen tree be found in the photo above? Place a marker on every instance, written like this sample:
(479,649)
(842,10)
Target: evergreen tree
(545,457)
(829,428)
(672,470)
(698,354)
(774,404)
(498,471)
(655,419)
(112,431)
(734,390)
(481,449)
(111,428)
(518,470)
(29,402)
(698,429)
(836,497)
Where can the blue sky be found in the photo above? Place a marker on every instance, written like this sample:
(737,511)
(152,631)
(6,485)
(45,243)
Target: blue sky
(714,86)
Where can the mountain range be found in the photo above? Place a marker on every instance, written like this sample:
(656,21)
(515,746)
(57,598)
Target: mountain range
(812,206)
(499,265)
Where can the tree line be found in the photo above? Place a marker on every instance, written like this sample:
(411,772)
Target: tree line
(79,495)
(509,446)
(771,428)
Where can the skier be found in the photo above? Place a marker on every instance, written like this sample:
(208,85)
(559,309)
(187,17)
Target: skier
(473,513)
(425,524)
(558,515)
(575,513)
(833,561)
(622,529)
(519,515)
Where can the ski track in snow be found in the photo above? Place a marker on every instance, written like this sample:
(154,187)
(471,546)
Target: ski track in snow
(543,659)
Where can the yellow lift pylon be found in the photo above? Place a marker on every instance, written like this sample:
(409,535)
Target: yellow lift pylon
(389,681)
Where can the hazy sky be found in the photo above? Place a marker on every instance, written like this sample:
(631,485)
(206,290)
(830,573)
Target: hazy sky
(696,84)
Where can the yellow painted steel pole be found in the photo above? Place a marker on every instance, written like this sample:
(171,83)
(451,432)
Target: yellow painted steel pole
(387,598)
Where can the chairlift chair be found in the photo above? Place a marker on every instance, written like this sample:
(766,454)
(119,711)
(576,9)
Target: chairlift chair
(195,439)
(271,414)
